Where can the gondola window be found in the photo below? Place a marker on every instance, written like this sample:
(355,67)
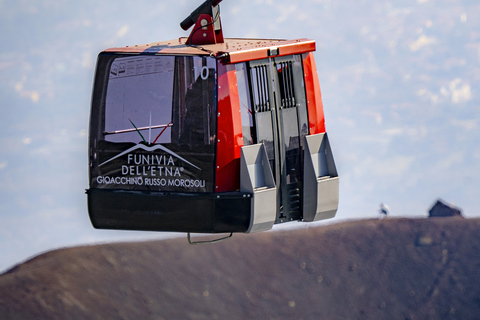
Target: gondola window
(158,131)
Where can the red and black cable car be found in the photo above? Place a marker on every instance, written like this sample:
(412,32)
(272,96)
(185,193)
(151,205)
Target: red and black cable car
(209,135)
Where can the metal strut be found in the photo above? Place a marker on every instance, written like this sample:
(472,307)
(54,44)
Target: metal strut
(208,27)
(208,241)
(204,8)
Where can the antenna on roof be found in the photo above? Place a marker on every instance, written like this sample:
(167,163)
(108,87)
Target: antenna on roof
(208,27)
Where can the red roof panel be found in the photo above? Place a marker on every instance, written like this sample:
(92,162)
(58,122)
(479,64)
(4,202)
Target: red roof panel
(231,51)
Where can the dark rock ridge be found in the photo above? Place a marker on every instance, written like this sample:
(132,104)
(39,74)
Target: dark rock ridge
(370,269)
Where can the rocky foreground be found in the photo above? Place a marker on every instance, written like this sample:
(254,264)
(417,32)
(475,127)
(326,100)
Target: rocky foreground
(371,269)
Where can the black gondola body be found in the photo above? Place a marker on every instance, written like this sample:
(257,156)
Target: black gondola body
(209,135)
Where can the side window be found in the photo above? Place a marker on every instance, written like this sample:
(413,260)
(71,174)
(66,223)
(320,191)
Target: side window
(292,88)
(285,79)
(194,102)
(262,99)
(261,96)
(248,128)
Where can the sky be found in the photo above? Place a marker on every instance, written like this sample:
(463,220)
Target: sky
(400,84)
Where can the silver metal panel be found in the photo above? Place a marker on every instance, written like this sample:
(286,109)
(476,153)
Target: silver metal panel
(256,177)
(327,198)
(321,183)
(263,210)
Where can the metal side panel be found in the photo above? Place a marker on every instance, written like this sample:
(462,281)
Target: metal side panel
(256,178)
(321,183)
(168,211)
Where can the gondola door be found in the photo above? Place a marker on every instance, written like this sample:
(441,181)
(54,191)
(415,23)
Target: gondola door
(281,122)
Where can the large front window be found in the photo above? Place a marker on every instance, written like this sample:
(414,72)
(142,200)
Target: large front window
(160,99)
(155,128)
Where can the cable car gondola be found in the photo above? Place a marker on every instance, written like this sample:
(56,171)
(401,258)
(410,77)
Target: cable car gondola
(209,135)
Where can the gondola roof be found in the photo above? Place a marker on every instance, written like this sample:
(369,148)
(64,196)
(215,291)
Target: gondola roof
(232,50)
